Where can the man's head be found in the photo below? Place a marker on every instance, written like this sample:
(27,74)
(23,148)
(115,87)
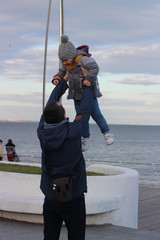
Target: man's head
(66,49)
(54,113)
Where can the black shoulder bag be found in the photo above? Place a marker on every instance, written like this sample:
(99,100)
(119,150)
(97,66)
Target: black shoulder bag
(62,186)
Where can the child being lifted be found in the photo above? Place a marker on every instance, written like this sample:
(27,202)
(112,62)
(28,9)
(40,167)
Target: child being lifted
(78,66)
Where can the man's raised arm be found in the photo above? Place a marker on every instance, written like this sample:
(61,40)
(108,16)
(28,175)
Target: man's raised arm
(56,94)
(58,91)
(85,108)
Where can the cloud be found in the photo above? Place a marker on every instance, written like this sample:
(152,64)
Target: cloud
(141,79)
(30,63)
(123,36)
(111,59)
(29,99)
(129,58)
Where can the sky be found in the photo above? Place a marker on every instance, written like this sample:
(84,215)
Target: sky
(123,37)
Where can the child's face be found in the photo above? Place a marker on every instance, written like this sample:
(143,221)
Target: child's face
(68,62)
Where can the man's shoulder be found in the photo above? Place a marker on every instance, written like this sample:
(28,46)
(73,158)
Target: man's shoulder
(75,124)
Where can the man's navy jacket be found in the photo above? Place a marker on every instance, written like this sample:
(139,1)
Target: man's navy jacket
(63,144)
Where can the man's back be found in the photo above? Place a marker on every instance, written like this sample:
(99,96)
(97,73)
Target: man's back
(63,146)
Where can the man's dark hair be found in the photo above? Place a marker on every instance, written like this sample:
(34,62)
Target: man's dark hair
(53,113)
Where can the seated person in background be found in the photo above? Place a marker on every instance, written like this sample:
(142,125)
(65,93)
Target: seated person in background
(1,150)
(10,148)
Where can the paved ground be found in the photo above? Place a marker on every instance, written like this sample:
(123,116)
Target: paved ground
(149,224)
(26,231)
(149,208)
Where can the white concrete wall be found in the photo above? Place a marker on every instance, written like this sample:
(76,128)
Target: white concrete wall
(123,187)
(110,199)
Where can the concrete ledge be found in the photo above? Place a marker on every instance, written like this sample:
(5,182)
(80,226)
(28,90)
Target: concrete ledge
(21,203)
(110,199)
(102,204)
(121,185)
(23,217)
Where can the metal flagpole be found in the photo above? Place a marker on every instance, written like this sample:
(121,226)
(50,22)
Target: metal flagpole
(46,44)
(45,55)
(61,22)
(61,27)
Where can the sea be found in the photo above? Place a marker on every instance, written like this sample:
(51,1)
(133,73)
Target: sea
(135,146)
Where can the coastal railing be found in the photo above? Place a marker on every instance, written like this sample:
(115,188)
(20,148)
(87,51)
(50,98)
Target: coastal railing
(149,173)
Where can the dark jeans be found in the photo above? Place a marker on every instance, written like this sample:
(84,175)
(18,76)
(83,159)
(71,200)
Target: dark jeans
(73,213)
(97,117)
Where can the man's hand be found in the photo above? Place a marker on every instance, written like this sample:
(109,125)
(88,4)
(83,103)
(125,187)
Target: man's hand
(87,83)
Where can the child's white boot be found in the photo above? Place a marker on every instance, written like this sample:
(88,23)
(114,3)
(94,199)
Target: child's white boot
(109,138)
(86,143)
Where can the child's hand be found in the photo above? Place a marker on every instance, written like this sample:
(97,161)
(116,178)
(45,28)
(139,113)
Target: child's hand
(87,83)
(56,80)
